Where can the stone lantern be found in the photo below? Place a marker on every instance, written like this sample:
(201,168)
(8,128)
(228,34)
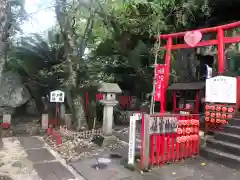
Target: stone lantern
(109,91)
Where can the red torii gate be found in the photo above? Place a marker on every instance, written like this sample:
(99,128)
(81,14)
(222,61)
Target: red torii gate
(220,42)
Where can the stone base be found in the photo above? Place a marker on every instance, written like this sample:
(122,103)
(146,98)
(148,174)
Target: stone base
(104,141)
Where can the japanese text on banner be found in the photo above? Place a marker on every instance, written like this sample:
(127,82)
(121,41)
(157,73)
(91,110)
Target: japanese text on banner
(159,84)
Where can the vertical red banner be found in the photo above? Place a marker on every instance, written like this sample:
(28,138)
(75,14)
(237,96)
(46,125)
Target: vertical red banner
(160,82)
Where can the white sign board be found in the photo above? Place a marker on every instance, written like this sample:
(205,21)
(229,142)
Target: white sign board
(7,118)
(57,96)
(132,139)
(221,89)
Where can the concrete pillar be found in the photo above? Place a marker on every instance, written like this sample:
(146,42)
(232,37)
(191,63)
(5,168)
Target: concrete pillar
(68,120)
(62,111)
(6,121)
(146,143)
(7,118)
(45,121)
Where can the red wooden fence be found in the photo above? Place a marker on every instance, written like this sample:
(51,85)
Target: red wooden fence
(173,137)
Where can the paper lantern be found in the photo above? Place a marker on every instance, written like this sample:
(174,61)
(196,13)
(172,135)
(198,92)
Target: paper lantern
(223,121)
(185,122)
(183,130)
(218,108)
(229,116)
(218,120)
(224,109)
(207,113)
(197,123)
(224,116)
(188,130)
(179,131)
(196,137)
(207,119)
(207,107)
(230,109)
(212,120)
(218,115)
(196,130)
(184,138)
(180,123)
(178,139)
(192,121)
(212,114)
(213,108)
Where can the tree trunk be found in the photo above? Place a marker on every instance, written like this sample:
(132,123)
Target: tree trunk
(71,54)
(4,26)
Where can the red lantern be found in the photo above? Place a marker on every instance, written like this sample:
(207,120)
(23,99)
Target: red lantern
(188,130)
(183,130)
(224,116)
(196,130)
(223,121)
(207,113)
(192,129)
(197,123)
(212,114)
(229,116)
(213,108)
(195,137)
(218,120)
(212,120)
(185,122)
(192,121)
(180,122)
(218,115)
(192,137)
(207,119)
(207,107)
(184,138)
(224,109)
(230,109)
(179,131)
(179,139)
(218,108)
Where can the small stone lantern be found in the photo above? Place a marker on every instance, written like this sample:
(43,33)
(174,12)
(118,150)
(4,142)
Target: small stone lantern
(109,91)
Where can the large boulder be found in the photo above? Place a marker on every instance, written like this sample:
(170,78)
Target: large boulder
(12,92)
(31,107)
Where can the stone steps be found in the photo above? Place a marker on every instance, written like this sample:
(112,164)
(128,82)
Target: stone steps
(232,129)
(224,147)
(224,158)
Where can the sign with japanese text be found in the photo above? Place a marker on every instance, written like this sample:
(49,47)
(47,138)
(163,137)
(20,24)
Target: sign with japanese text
(57,96)
(221,89)
(132,139)
(159,84)
(163,124)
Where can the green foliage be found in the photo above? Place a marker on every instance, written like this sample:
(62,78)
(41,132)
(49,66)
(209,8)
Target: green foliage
(119,40)
(39,59)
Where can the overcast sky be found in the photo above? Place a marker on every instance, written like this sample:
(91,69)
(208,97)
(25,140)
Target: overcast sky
(41,16)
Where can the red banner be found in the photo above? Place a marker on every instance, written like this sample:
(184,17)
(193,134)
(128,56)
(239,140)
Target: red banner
(159,84)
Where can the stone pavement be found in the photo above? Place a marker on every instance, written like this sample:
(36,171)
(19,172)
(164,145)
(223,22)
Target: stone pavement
(191,169)
(49,166)
(46,162)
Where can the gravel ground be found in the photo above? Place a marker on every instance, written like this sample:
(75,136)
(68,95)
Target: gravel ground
(76,145)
